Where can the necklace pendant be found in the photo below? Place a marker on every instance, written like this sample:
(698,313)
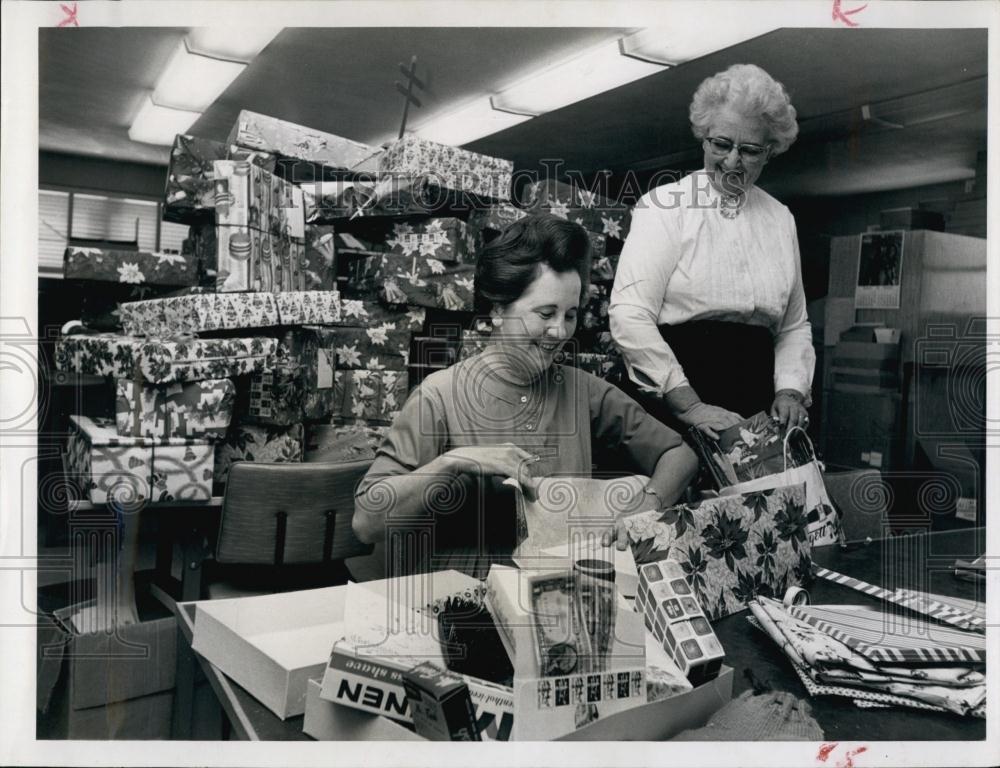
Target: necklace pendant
(730,207)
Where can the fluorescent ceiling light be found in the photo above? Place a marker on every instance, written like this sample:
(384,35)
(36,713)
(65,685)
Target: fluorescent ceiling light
(235,43)
(158,125)
(691,36)
(468,123)
(192,81)
(598,69)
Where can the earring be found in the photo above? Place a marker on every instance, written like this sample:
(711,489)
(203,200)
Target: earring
(497,321)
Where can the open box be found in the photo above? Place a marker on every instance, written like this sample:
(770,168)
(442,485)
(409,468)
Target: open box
(272,644)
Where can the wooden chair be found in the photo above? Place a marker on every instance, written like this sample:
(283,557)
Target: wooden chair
(285,526)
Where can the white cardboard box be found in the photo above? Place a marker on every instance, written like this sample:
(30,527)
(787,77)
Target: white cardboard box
(326,721)
(272,644)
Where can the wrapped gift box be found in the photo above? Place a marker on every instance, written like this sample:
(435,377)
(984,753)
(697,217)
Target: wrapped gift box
(308,307)
(360,312)
(332,444)
(250,442)
(202,245)
(190,193)
(261,132)
(319,263)
(372,396)
(252,260)
(450,168)
(135,469)
(275,399)
(595,310)
(586,208)
(444,239)
(495,218)
(165,361)
(415,279)
(597,364)
(198,313)
(200,410)
(332,202)
(378,347)
(248,196)
(137,267)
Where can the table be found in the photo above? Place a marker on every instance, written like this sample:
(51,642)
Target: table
(918,561)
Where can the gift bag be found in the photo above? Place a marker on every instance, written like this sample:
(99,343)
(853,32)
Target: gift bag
(801,466)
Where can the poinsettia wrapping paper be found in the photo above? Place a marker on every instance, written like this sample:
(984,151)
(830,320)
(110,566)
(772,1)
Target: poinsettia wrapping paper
(198,313)
(133,469)
(135,267)
(319,264)
(100,354)
(449,167)
(361,312)
(495,218)
(261,132)
(442,238)
(369,396)
(199,410)
(730,548)
(190,193)
(377,347)
(415,280)
(586,208)
(250,442)
(308,307)
(276,398)
(595,310)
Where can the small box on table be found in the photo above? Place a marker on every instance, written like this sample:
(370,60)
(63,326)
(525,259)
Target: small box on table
(440,704)
(674,616)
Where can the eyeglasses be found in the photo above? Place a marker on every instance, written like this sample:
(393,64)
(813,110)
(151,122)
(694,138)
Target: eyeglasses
(748,152)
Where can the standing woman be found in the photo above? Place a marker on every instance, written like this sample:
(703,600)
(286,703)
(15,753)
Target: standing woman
(708,307)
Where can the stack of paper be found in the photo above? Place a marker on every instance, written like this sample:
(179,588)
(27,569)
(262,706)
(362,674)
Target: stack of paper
(879,658)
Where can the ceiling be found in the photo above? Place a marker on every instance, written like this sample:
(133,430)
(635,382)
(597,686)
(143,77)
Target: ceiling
(927,89)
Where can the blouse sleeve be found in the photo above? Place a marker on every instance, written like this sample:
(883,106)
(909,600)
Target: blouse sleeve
(619,423)
(648,259)
(417,436)
(794,356)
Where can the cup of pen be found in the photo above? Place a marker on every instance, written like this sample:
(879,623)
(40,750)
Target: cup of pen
(596,605)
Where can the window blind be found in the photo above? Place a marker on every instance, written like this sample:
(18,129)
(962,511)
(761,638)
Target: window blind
(53,228)
(97,217)
(172,236)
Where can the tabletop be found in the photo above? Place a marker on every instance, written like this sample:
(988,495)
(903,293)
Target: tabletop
(919,561)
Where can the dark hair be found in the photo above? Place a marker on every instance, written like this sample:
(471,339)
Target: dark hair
(509,264)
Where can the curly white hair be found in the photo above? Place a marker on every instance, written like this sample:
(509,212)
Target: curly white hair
(751,91)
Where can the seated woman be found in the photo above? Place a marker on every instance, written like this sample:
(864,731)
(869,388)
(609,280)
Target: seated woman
(508,412)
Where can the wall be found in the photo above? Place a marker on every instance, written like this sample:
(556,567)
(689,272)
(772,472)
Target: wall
(100,175)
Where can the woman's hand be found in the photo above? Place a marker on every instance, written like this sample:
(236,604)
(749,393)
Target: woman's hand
(504,460)
(710,419)
(789,409)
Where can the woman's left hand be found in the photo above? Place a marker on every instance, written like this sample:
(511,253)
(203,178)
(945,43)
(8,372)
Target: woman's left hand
(789,409)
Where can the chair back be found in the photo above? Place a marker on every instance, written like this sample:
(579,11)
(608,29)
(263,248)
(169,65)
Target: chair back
(290,514)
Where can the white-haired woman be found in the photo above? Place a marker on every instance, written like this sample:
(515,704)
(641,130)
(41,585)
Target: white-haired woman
(708,307)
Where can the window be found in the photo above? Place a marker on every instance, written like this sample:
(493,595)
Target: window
(67,216)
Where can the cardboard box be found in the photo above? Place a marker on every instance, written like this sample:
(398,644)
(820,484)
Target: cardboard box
(103,464)
(440,704)
(131,267)
(261,132)
(272,645)
(326,721)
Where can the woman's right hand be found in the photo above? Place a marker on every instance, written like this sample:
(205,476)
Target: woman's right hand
(710,419)
(503,460)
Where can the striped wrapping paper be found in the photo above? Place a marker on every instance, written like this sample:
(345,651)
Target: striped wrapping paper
(887,639)
(918,603)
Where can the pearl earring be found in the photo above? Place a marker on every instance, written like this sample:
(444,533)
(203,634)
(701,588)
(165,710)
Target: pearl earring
(497,321)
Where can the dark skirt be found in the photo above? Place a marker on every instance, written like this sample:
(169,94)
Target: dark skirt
(730,365)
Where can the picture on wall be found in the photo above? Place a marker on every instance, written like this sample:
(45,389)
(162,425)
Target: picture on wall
(879,268)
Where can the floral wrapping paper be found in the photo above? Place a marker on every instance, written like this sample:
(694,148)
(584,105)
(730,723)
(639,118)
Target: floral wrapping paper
(443,239)
(200,312)
(331,202)
(249,442)
(308,307)
(319,261)
(332,444)
(135,267)
(360,312)
(261,132)
(415,280)
(165,361)
(731,548)
(595,310)
(199,410)
(251,260)
(495,218)
(488,178)
(189,197)
(586,208)
(276,399)
(377,347)
(131,470)
(371,396)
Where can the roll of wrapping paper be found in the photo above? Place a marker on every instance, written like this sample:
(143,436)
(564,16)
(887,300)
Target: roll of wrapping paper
(795,596)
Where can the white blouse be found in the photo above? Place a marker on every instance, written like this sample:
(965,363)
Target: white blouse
(684,261)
